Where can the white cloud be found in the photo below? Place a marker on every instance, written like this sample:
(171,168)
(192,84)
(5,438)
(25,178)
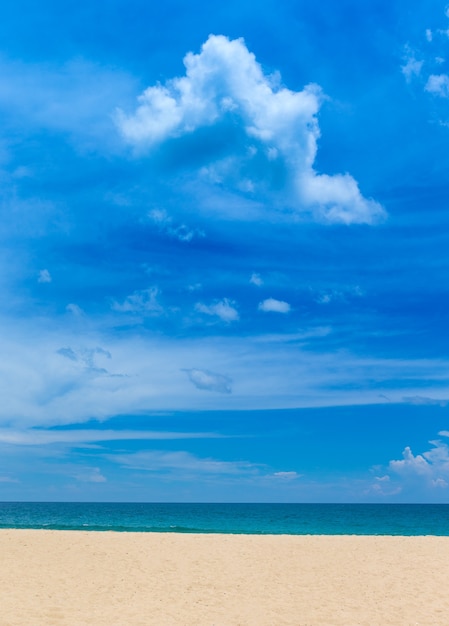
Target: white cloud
(412,68)
(431,467)
(146,372)
(337,199)
(74,309)
(275,306)
(438,84)
(76,98)
(410,464)
(90,475)
(182,463)
(144,301)
(42,436)
(224,309)
(44,276)
(325,298)
(340,295)
(287,475)
(225,79)
(256,280)
(422,400)
(210,381)
(299,337)
(194,287)
(421,475)
(429,35)
(90,359)
(177,231)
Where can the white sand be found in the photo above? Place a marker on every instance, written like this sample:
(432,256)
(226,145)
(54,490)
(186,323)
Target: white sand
(131,579)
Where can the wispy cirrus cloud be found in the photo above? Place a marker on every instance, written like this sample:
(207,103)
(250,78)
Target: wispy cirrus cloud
(78,437)
(144,301)
(146,372)
(168,225)
(86,357)
(8,479)
(209,381)
(184,464)
(224,81)
(75,98)
(423,400)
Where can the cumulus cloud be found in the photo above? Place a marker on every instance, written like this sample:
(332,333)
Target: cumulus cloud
(425,474)
(210,381)
(143,301)
(412,67)
(224,309)
(438,84)
(431,466)
(274,306)
(410,464)
(225,81)
(44,276)
(256,280)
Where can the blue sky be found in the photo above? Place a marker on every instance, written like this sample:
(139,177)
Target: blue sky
(223,260)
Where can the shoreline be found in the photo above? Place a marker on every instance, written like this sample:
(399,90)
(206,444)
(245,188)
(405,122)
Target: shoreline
(99,578)
(169,533)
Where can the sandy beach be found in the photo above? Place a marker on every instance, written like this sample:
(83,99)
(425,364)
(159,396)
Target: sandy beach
(129,579)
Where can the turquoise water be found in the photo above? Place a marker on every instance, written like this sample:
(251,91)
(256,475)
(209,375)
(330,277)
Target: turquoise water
(290,519)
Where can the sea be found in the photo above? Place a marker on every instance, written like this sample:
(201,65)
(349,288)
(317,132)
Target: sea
(257,519)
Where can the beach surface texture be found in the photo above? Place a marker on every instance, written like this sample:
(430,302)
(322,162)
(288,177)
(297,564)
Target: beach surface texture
(81,578)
